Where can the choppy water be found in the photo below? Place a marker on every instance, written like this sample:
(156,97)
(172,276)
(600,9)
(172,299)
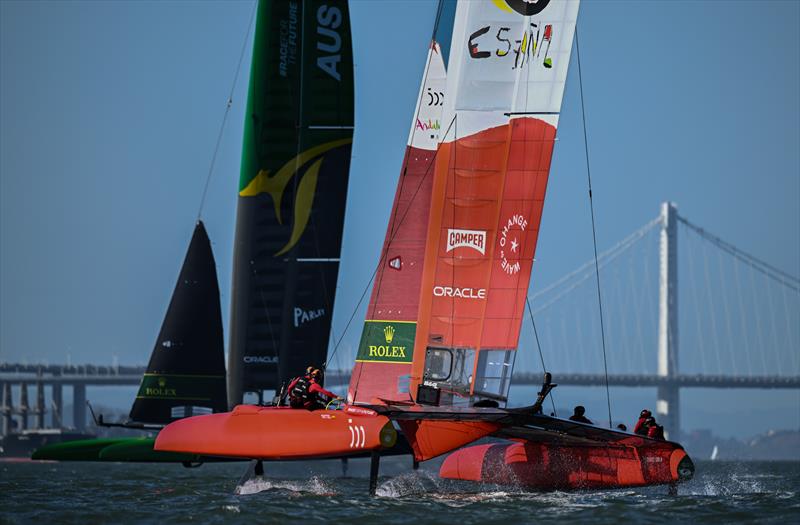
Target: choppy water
(135,493)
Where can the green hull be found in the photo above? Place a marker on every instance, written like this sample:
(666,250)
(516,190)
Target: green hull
(111,449)
(141,450)
(78,450)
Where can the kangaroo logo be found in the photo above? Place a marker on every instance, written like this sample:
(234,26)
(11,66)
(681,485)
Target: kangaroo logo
(304,200)
(388,332)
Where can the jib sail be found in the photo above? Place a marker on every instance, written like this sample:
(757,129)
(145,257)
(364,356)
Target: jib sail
(186,372)
(292,190)
(383,363)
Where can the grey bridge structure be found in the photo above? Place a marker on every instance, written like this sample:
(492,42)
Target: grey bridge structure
(739,329)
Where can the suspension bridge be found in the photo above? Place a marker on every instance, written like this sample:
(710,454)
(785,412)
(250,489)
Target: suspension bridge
(738,326)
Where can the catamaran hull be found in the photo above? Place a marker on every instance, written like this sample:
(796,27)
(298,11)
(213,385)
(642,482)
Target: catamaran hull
(139,450)
(277,433)
(546,466)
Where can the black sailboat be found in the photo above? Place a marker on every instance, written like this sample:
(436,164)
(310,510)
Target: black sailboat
(185,375)
(186,372)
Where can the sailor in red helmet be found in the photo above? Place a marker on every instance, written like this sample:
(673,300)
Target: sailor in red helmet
(654,430)
(307,392)
(641,425)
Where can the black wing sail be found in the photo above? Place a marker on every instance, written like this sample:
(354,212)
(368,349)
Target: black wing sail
(292,191)
(186,373)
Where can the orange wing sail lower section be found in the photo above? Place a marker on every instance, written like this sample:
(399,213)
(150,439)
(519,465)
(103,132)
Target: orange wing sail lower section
(254,432)
(549,466)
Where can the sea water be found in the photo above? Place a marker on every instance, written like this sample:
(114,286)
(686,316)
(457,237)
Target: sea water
(721,492)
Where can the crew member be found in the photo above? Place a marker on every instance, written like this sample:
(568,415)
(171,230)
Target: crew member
(622,427)
(641,424)
(579,416)
(654,430)
(306,391)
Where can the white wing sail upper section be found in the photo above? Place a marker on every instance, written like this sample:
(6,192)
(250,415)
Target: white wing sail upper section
(426,129)
(503,62)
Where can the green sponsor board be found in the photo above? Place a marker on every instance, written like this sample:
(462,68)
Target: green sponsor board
(179,387)
(387,342)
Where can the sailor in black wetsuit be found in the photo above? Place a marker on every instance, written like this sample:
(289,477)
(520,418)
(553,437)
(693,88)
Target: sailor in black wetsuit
(578,415)
(306,391)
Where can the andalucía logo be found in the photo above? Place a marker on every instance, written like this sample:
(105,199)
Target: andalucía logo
(510,243)
(387,342)
(475,239)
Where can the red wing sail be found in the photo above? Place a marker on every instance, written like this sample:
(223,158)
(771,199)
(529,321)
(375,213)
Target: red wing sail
(505,81)
(383,364)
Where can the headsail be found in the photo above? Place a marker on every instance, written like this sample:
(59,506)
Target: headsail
(186,372)
(383,364)
(292,191)
(485,192)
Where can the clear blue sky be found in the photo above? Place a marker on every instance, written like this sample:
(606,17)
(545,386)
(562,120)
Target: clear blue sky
(109,112)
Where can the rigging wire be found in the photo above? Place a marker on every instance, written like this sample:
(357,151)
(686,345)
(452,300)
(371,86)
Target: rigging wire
(594,231)
(227,111)
(541,356)
(386,252)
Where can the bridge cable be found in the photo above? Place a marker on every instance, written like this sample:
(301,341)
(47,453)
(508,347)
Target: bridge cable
(594,231)
(539,346)
(776,274)
(228,105)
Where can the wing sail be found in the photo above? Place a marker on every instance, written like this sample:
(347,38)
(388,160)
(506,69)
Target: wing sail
(506,74)
(292,191)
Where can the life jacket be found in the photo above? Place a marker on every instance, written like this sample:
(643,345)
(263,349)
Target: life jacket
(300,392)
(656,432)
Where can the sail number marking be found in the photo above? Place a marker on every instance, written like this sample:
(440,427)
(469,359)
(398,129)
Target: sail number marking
(358,436)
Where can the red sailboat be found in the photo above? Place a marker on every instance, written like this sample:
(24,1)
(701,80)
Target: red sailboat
(443,323)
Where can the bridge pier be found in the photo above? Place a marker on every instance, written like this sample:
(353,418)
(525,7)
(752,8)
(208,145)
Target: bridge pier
(24,406)
(57,413)
(668,398)
(79,406)
(40,410)
(7,409)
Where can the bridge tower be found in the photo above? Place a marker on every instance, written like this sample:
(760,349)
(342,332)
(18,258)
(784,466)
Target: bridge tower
(668,400)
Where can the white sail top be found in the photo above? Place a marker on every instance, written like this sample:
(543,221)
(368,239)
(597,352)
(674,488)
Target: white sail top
(504,62)
(426,128)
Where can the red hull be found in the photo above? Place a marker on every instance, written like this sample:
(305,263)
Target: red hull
(279,433)
(547,466)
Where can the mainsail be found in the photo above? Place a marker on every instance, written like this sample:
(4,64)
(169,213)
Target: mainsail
(505,78)
(186,372)
(292,190)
